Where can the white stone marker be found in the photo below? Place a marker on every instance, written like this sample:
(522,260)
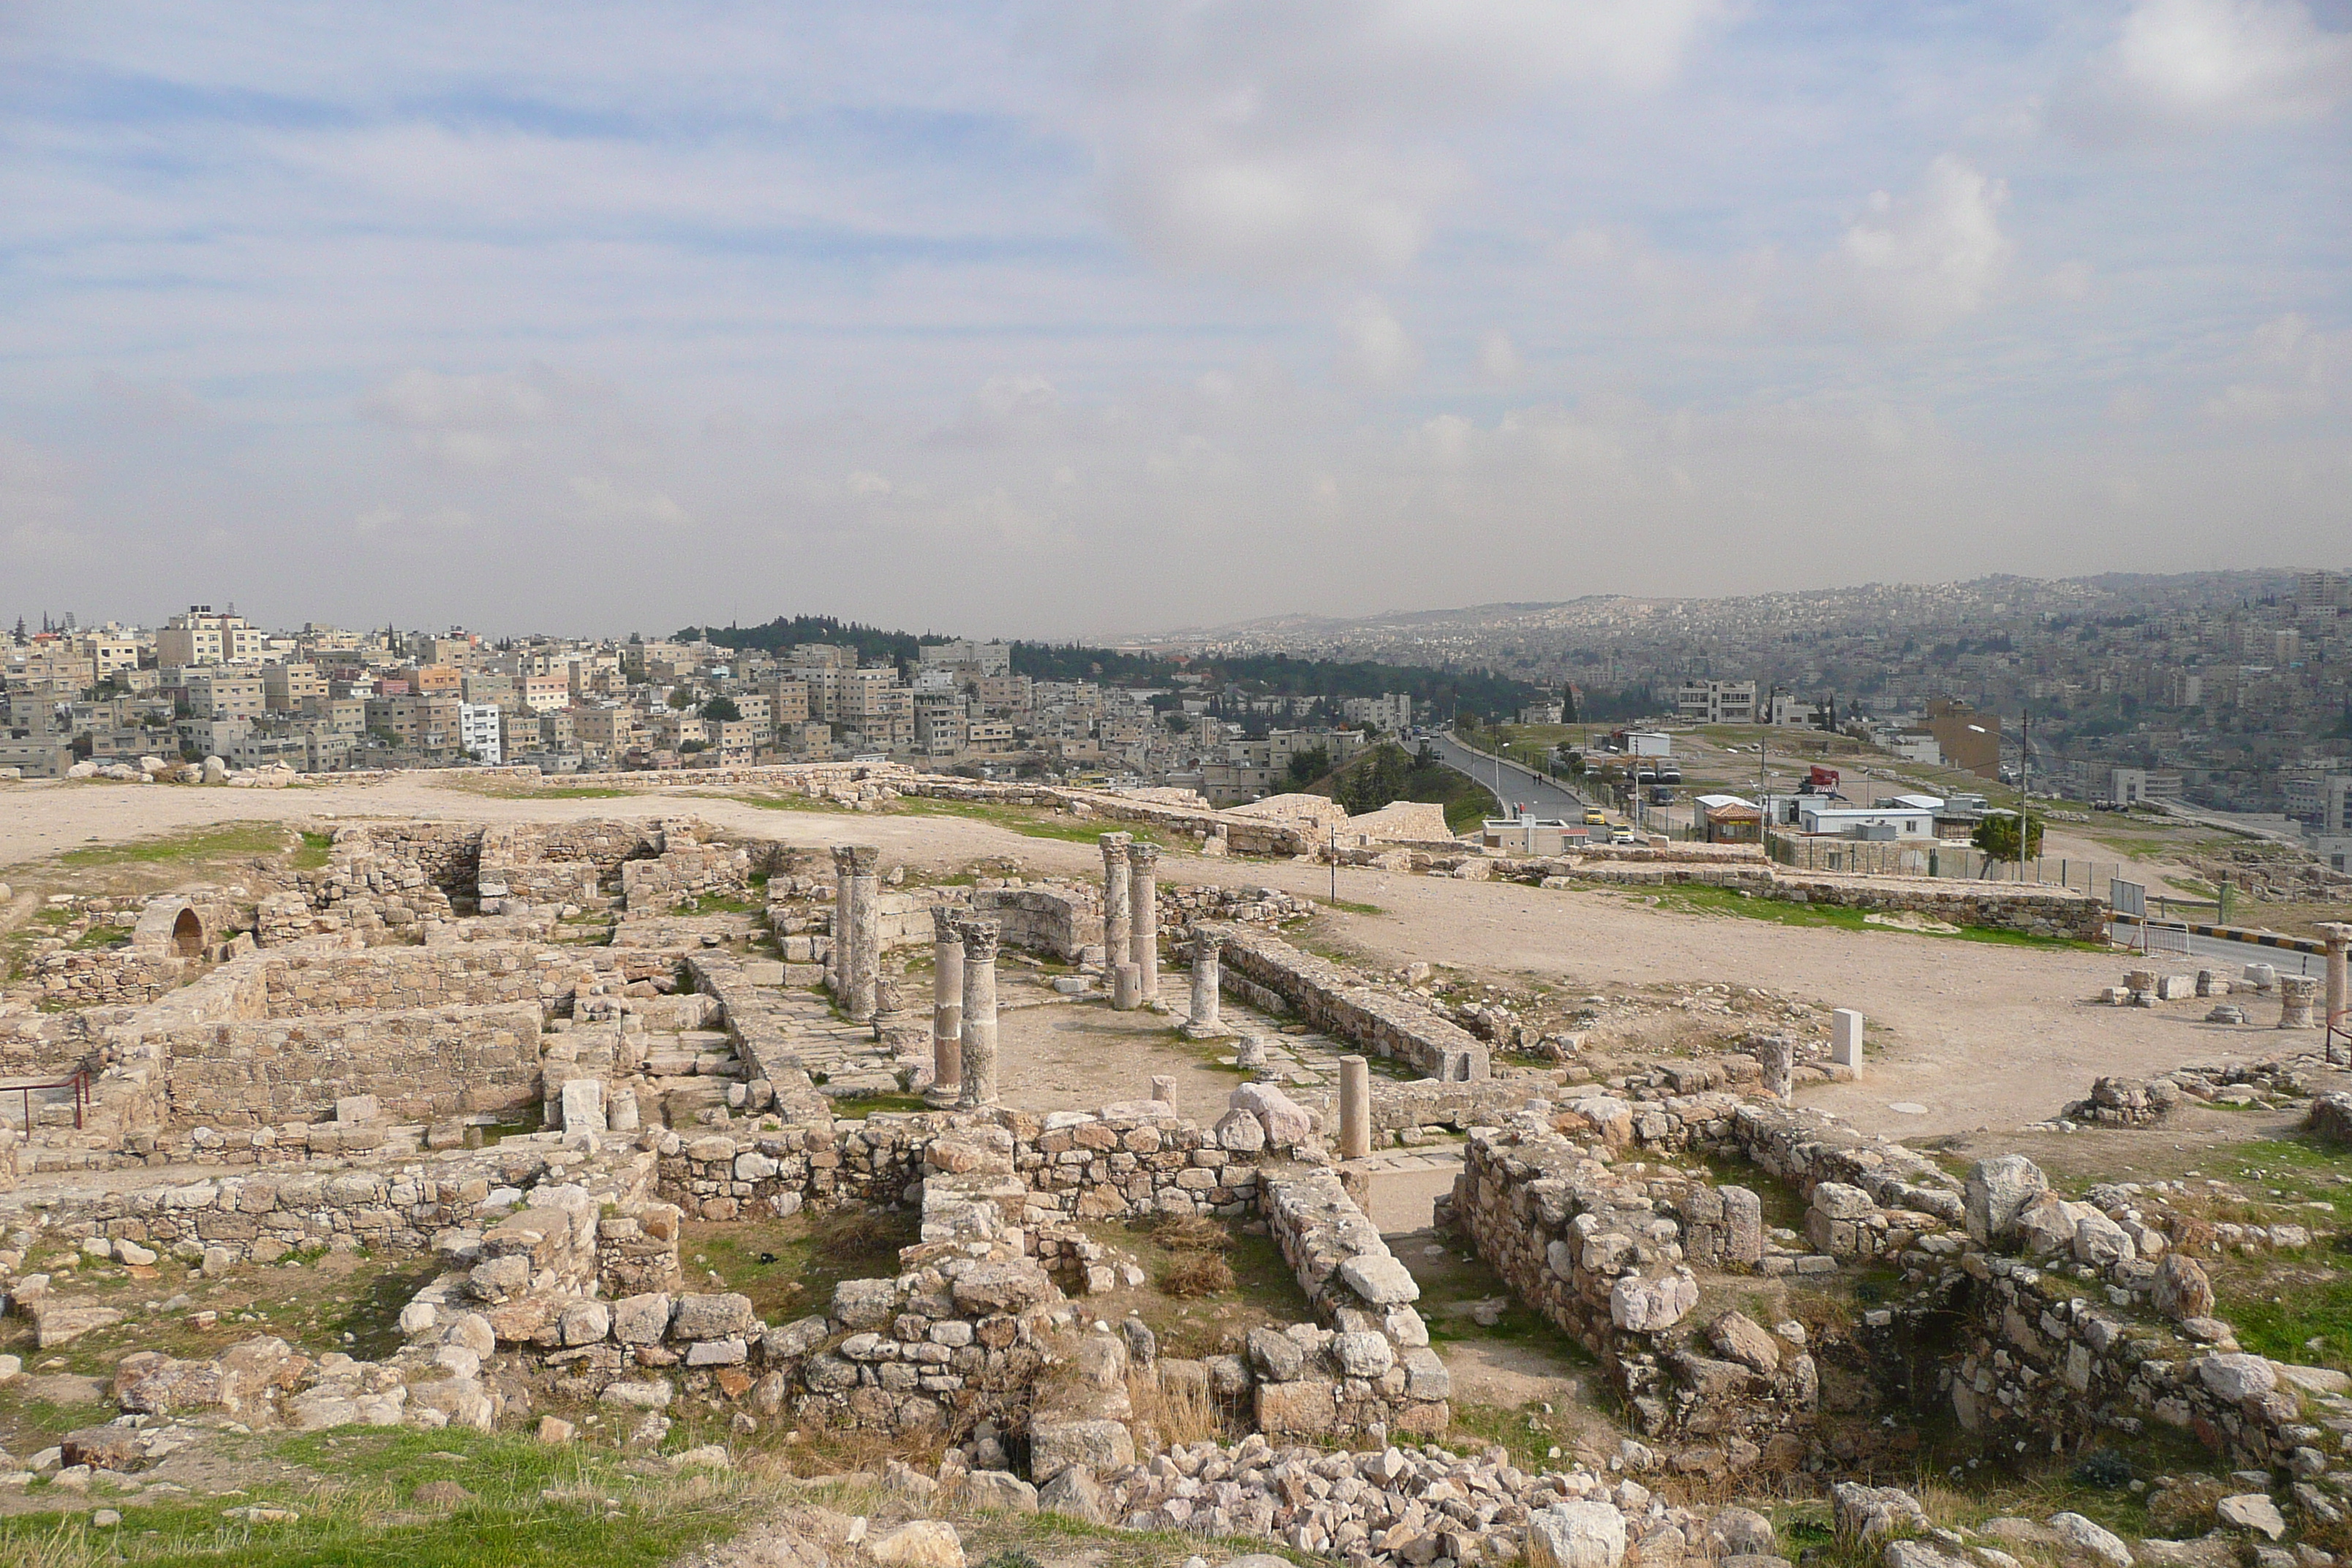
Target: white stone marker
(1845,1040)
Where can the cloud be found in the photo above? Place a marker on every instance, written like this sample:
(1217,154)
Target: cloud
(1498,359)
(422,399)
(1918,264)
(1287,141)
(2298,365)
(1374,348)
(598,500)
(2227,62)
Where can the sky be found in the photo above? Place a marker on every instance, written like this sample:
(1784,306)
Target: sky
(1053,318)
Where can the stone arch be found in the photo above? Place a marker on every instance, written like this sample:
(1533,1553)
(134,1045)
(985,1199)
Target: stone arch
(187,934)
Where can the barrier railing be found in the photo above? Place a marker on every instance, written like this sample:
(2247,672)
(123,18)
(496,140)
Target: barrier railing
(77,1081)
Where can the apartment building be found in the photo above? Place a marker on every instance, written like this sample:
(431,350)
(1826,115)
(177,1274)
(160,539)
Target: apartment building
(218,693)
(1698,701)
(285,685)
(200,636)
(481,731)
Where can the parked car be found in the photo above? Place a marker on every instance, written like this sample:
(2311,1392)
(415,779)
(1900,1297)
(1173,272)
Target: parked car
(1594,816)
(1621,834)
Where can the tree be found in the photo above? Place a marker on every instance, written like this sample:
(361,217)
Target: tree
(1570,759)
(681,698)
(722,708)
(1310,764)
(1997,836)
(1568,703)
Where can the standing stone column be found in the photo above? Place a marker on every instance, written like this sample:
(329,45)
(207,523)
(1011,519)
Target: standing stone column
(1116,929)
(1202,1024)
(1776,1054)
(1355,1108)
(844,883)
(947,1006)
(2338,934)
(866,936)
(2297,992)
(1143,913)
(979,1088)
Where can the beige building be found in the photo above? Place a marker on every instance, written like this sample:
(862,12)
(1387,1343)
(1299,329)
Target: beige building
(201,637)
(284,686)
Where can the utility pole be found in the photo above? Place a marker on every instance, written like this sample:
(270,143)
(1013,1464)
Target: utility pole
(2024,781)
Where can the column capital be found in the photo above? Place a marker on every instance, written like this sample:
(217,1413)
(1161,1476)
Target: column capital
(2338,933)
(1206,946)
(979,938)
(1142,855)
(844,857)
(1116,843)
(864,859)
(944,921)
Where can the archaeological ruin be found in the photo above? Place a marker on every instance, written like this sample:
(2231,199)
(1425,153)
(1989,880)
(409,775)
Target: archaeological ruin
(535,1058)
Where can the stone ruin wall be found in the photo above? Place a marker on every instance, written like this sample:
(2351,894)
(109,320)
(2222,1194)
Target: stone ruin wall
(398,1210)
(1269,974)
(2020,1348)
(425,1064)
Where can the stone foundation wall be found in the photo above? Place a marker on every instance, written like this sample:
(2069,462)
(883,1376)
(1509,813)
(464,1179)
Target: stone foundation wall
(1371,1020)
(425,1064)
(1060,920)
(683,874)
(1368,1368)
(2041,1362)
(398,1210)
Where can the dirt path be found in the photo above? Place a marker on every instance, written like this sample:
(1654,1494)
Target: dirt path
(1980,1034)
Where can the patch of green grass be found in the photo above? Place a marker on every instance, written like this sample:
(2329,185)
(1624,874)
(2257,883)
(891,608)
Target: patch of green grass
(1349,906)
(101,936)
(720,904)
(2282,1324)
(312,855)
(789,1267)
(532,1505)
(1026,822)
(789,802)
(1530,1432)
(865,1105)
(1699,899)
(234,838)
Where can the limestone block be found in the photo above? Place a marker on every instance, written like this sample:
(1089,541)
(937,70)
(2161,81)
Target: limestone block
(1998,1190)
(1576,1535)
(641,1320)
(583,1105)
(1647,1305)
(1378,1279)
(359,1108)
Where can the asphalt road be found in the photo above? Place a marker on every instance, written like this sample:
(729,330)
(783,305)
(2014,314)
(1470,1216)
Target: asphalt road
(1549,799)
(2284,960)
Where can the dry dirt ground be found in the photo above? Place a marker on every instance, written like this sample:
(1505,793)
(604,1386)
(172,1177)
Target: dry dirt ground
(1980,1036)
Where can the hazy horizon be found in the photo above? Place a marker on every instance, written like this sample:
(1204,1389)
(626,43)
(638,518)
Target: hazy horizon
(1054,320)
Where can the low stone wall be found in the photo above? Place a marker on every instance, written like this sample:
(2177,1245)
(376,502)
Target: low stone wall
(1370,1019)
(1369,1368)
(425,1064)
(2040,1363)
(109,977)
(1060,920)
(685,873)
(399,1209)
(1127,1160)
